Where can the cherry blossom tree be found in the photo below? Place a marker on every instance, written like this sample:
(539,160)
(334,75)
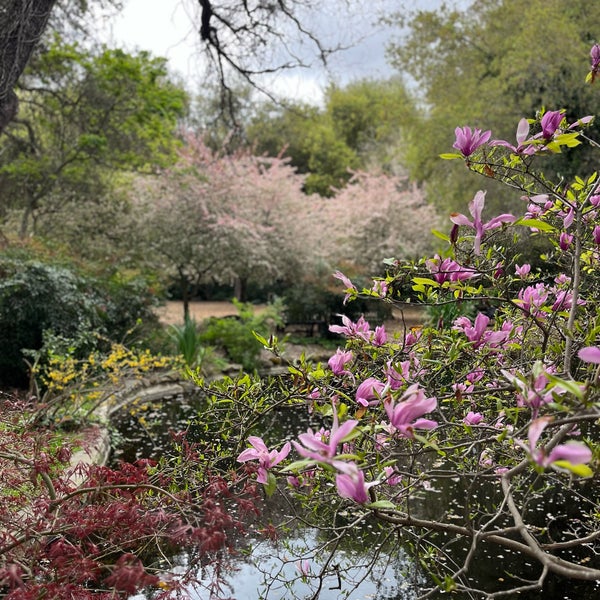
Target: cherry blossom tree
(376,216)
(224,218)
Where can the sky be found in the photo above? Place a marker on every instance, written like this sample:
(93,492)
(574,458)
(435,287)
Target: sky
(168,28)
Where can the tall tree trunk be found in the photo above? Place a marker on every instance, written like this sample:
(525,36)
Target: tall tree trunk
(22,23)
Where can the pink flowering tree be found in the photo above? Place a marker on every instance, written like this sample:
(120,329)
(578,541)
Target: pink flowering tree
(477,438)
(221,218)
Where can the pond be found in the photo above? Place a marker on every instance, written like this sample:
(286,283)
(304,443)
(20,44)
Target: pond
(273,569)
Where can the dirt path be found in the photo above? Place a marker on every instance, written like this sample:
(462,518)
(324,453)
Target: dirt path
(172,313)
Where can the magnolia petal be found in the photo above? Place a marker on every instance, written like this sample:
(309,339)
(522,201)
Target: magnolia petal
(590,354)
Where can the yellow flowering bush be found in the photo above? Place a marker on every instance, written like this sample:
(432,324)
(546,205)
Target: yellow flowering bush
(80,385)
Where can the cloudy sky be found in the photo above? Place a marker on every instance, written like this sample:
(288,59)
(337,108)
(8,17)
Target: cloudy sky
(169,28)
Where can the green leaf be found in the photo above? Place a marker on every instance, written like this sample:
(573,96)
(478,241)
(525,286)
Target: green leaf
(271,485)
(541,225)
(382,505)
(297,465)
(261,339)
(579,470)
(440,235)
(420,281)
(569,386)
(450,155)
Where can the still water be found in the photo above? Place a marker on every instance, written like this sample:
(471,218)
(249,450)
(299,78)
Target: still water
(264,569)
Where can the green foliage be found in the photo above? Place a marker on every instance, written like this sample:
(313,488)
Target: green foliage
(41,301)
(235,335)
(85,114)
(360,124)
(188,342)
(487,66)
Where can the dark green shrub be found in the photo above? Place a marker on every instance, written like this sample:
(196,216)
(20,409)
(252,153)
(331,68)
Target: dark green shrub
(235,335)
(85,312)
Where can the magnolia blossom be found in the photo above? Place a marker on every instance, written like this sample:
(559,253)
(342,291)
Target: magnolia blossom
(564,300)
(535,395)
(322,447)
(360,329)
(396,379)
(550,123)
(523,271)
(575,453)
(448,270)
(304,567)
(351,484)
(350,287)
(473,418)
(380,288)
(379,337)
(478,332)
(405,416)
(266,458)
(590,354)
(339,360)
(369,392)
(476,208)
(565,240)
(532,299)
(467,140)
(392,477)
(522,147)
(595,60)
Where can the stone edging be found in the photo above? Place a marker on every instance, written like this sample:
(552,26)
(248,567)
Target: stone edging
(97,450)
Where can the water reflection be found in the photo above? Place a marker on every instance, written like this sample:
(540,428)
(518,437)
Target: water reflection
(270,570)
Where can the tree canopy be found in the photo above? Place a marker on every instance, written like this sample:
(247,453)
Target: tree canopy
(85,113)
(492,64)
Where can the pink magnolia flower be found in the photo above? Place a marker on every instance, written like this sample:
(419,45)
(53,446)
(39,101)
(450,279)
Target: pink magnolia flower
(550,123)
(467,140)
(535,395)
(478,333)
(532,299)
(405,416)
(590,354)
(322,447)
(595,61)
(359,329)
(339,360)
(565,240)
(473,418)
(351,484)
(522,147)
(380,288)
(476,208)
(396,379)
(379,337)
(575,453)
(523,271)
(369,392)
(350,287)
(448,270)
(392,477)
(596,234)
(266,458)
(564,300)
(304,567)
